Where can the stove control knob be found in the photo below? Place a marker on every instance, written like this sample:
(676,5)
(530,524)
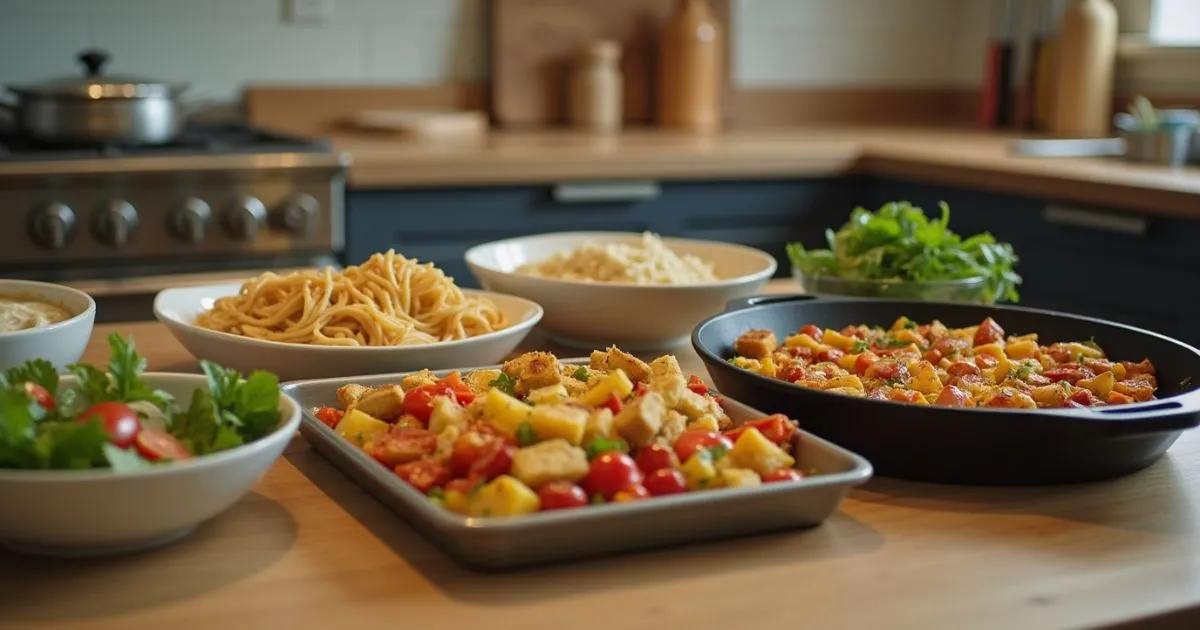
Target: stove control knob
(299,214)
(190,222)
(115,223)
(52,225)
(244,219)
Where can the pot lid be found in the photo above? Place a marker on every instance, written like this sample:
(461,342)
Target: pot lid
(94,84)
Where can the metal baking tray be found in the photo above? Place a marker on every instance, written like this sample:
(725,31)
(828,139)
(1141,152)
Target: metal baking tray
(508,543)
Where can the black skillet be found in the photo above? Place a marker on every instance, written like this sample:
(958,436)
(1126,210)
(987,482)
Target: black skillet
(966,446)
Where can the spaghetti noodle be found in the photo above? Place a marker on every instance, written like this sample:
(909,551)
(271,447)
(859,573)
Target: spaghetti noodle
(389,300)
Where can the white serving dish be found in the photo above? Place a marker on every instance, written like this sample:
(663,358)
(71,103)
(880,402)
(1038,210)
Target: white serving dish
(178,308)
(637,318)
(102,512)
(61,344)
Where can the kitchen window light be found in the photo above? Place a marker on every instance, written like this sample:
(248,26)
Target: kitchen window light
(1174,23)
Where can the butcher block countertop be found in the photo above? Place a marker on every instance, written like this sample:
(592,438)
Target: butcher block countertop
(966,158)
(310,549)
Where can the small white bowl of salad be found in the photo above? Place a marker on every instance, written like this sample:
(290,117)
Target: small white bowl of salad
(110,459)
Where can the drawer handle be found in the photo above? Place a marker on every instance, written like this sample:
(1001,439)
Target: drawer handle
(1136,226)
(600,192)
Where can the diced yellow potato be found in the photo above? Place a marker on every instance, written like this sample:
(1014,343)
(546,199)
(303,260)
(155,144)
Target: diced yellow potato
(599,424)
(456,501)
(754,451)
(1100,384)
(503,496)
(617,382)
(359,428)
(993,349)
(739,478)
(901,323)
(766,367)
(847,391)
(552,460)
(1028,337)
(446,413)
(847,362)
(1084,350)
(802,341)
(1050,395)
(548,395)
(1024,349)
(1118,370)
(838,340)
(849,381)
(505,412)
(699,471)
(925,379)
(704,423)
(908,334)
(747,364)
(559,421)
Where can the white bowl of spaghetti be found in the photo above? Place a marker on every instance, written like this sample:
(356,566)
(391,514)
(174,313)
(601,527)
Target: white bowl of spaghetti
(638,291)
(389,314)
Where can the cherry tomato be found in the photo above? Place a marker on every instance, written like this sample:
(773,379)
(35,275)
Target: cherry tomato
(778,428)
(812,331)
(690,442)
(40,396)
(792,373)
(665,481)
(462,392)
(613,404)
(488,430)
(783,474)
(697,385)
(988,332)
(830,354)
(609,473)
(933,356)
(1083,397)
(1071,375)
(561,495)
(329,416)
(655,457)
(466,451)
(885,370)
(952,396)
(158,446)
(864,361)
(424,475)
(632,492)
(985,361)
(402,446)
(465,485)
(418,401)
(120,421)
(906,395)
(494,460)
(962,368)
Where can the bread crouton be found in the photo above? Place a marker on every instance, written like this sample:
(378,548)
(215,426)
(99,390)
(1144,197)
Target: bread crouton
(635,368)
(533,370)
(349,394)
(552,460)
(480,381)
(756,344)
(385,403)
(666,378)
(417,379)
(639,421)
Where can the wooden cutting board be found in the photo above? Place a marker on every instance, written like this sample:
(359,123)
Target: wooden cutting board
(534,43)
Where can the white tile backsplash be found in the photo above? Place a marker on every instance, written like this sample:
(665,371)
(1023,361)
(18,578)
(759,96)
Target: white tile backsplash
(219,45)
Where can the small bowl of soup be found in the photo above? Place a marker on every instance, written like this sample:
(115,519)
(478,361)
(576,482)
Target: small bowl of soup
(42,320)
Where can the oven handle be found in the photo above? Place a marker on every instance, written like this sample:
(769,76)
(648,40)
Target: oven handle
(140,285)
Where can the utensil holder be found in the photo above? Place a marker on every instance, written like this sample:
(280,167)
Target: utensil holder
(1168,146)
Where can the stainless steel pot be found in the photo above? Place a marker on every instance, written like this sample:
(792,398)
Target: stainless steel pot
(98,108)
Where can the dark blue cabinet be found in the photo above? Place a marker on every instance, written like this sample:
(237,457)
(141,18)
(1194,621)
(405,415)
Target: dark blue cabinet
(439,225)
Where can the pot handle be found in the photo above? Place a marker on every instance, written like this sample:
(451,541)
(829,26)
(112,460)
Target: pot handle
(738,304)
(1163,416)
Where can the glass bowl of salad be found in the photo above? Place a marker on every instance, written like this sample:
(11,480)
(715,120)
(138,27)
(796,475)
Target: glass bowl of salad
(898,252)
(108,460)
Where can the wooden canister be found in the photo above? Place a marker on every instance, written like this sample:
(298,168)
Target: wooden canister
(1086,55)
(689,69)
(596,94)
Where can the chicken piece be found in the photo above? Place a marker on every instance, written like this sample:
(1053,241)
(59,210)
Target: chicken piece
(349,394)
(481,380)
(552,460)
(533,370)
(666,378)
(599,361)
(575,388)
(582,373)
(635,368)
(447,413)
(674,424)
(756,344)
(385,403)
(696,406)
(599,424)
(639,421)
(417,379)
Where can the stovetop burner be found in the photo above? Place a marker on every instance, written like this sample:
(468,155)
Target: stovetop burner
(211,139)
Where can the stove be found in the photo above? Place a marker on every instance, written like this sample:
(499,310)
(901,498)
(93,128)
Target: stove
(223,199)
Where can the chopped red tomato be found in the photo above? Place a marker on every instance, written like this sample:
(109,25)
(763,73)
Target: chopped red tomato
(884,369)
(466,451)
(800,352)
(640,389)
(40,396)
(1069,372)
(403,445)
(1083,397)
(562,495)
(864,361)
(952,396)
(418,401)
(424,475)
(632,492)
(906,395)
(329,416)
(962,368)
(783,474)
(655,457)
(696,385)
(985,361)
(812,331)
(830,354)
(691,442)
(465,485)
(988,332)
(613,404)
(119,420)
(494,460)
(791,373)
(932,356)
(778,428)
(462,392)
(158,446)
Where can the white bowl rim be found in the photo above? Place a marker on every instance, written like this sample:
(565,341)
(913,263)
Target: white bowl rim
(536,313)
(287,407)
(471,257)
(33,286)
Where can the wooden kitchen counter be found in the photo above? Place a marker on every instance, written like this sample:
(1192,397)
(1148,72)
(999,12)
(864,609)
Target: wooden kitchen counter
(966,158)
(309,549)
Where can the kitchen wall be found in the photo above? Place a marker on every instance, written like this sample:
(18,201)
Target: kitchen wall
(218,45)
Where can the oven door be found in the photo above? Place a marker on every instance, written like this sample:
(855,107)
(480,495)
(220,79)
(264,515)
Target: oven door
(130,298)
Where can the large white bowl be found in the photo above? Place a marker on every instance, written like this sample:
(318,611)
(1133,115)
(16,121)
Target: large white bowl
(594,315)
(61,344)
(102,512)
(178,308)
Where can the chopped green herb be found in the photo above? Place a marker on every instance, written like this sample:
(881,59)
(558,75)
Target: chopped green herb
(894,381)
(910,324)
(38,371)
(703,483)
(1185,384)
(505,383)
(1022,371)
(716,452)
(732,361)
(597,499)
(600,445)
(231,412)
(437,494)
(525,434)
(892,342)
(581,374)
(860,347)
